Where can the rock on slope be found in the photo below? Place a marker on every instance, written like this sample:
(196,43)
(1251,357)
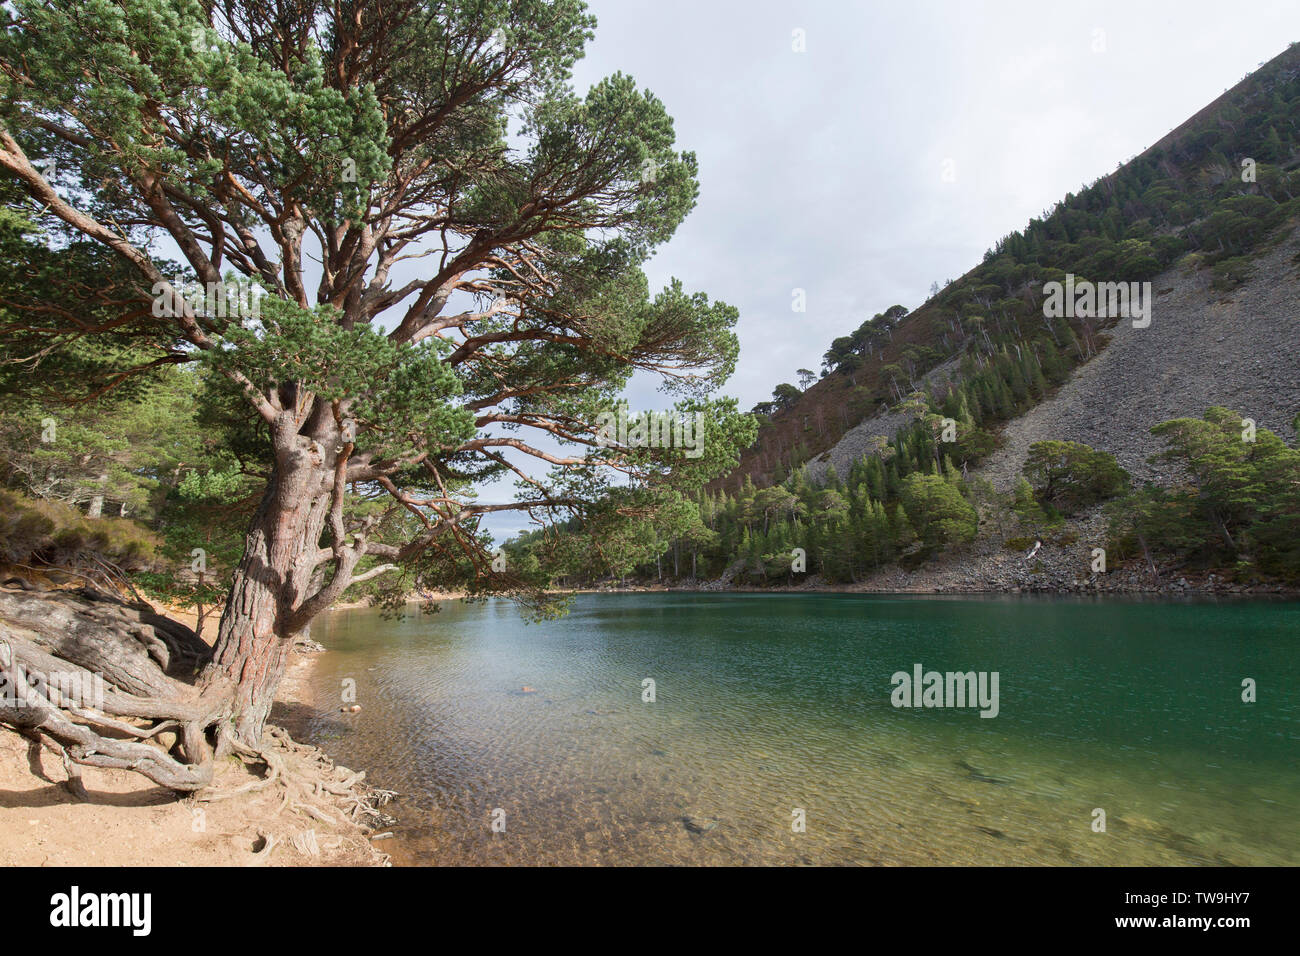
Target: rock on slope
(866,435)
(1203,347)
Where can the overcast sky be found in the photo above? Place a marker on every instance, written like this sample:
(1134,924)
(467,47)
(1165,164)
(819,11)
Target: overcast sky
(823,170)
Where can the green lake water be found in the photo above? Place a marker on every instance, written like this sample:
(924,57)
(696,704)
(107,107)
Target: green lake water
(768,704)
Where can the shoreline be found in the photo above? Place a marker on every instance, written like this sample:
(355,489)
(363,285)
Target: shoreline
(138,823)
(436,596)
(1246,591)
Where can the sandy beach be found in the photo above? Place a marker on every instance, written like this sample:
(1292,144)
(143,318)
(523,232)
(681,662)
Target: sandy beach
(140,824)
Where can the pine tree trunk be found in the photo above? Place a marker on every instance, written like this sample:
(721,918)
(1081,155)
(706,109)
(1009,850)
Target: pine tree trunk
(273,578)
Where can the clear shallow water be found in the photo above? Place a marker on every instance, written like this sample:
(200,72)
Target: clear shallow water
(767,703)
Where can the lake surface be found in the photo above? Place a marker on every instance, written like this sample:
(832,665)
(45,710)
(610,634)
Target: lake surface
(769,704)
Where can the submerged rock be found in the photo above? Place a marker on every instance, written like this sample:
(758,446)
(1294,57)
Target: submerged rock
(977,774)
(699,824)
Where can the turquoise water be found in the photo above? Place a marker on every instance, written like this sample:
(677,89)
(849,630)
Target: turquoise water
(769,704)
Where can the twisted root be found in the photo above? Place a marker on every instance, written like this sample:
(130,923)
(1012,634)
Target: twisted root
(146,716)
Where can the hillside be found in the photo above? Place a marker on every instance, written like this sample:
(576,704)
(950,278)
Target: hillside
(1204,348)
(1180,215)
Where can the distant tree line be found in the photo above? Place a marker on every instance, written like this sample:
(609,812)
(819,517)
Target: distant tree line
(1237,510)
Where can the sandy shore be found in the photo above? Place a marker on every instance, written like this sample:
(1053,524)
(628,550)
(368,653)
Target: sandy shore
(413,599)
(135,823)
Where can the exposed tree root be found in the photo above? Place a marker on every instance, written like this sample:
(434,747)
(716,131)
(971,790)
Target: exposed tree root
(311,783)
(109,684)
(104,684)
(71,770)
(35,699)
